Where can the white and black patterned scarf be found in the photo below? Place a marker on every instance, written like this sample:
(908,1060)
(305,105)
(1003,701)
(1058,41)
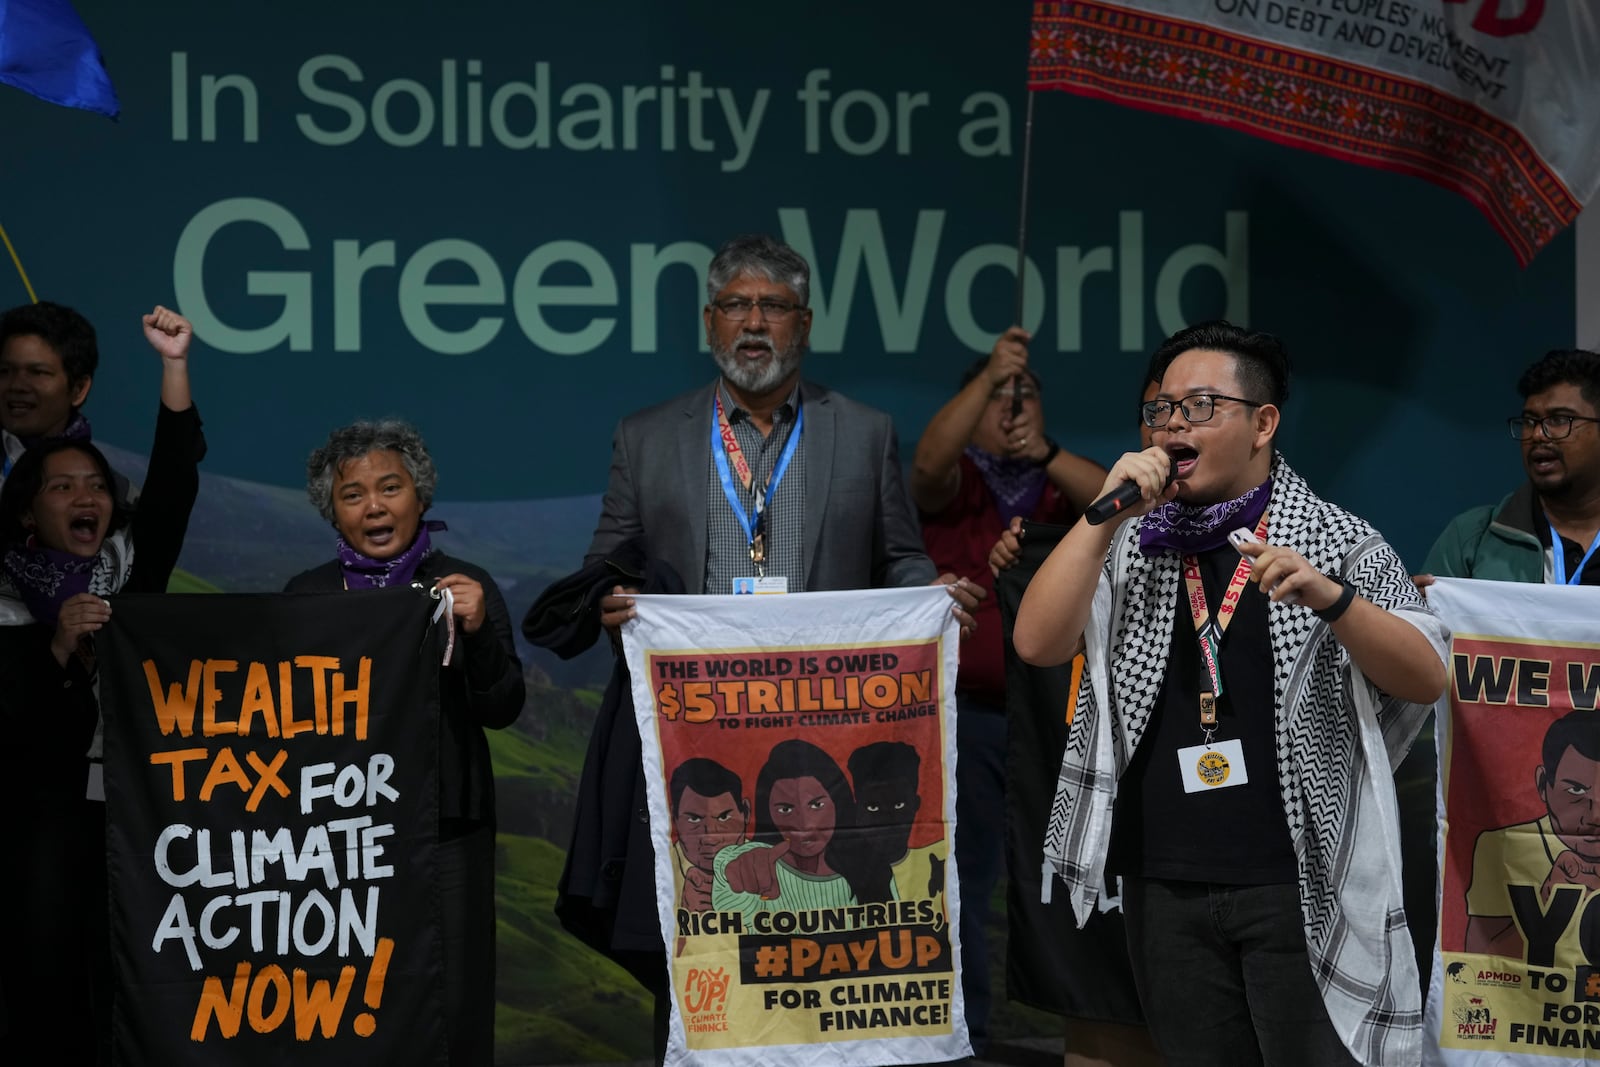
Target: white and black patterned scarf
(34,582)
(1338,739)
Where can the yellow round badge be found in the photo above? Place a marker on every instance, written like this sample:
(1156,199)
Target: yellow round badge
(1213,768)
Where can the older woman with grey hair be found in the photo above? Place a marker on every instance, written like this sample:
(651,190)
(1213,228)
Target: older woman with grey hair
(374,481)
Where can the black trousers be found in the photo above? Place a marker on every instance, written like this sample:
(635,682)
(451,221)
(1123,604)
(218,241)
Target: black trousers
(55,961)
(465,860)
(1225,977)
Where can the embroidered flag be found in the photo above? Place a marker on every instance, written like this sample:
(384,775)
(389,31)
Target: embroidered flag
(1494,99)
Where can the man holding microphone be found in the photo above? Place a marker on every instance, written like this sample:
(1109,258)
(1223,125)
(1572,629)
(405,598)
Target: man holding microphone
(1244,700)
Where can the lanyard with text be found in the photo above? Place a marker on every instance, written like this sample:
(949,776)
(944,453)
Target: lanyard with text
(1209,629)
(730,458)
(1560,568)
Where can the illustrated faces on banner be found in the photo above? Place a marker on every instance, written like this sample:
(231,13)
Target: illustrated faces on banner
(709,810)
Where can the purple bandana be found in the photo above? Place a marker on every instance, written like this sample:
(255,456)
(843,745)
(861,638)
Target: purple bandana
(77,429)
(1017,484)
(46,578)
(1189,529)
(364,572)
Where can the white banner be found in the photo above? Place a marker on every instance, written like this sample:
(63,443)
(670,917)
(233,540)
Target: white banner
(1516,974)
(800,756)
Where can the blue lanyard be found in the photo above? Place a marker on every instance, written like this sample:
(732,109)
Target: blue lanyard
(720,454)
(1560,568)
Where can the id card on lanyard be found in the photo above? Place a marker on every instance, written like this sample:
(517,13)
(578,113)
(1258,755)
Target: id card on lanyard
(1209,628)
(730,460)
(1210,765)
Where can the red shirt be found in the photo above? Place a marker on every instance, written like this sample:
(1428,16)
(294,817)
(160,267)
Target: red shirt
(959,539)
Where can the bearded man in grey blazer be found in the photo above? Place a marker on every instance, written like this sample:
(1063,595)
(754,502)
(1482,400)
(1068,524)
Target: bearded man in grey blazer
(761,482)
(760,475)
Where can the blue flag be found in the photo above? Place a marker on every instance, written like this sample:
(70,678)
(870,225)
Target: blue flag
(46,50)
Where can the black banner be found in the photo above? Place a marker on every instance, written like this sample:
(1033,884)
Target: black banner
(1050,963)
(272,790)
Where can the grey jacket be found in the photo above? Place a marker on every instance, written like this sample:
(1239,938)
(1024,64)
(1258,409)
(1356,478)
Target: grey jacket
(860,531)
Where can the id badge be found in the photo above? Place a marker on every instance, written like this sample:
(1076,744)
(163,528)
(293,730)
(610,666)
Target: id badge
(1207,767)
(760,586)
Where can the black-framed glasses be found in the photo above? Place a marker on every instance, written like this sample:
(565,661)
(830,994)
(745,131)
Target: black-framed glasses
(737,308)
(1198,407)
(1555,426)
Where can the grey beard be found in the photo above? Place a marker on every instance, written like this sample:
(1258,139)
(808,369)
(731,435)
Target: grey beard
(753,378)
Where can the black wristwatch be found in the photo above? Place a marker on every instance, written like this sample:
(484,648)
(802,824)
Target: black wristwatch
(1333,611)
(1051,454)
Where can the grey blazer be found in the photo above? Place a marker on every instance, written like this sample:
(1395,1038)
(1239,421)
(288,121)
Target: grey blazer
(860,531)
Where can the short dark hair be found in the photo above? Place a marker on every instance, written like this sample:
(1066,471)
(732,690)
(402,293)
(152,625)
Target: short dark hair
(69,335)
(969,375)
(1261,360)
(885,761)
(1564,366)
(1576,729)
(756,253)
(708,778)
(27,478)
(1152,376)
(1155,368)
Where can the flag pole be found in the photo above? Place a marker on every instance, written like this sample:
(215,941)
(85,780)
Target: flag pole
(26,284)
(1022,243)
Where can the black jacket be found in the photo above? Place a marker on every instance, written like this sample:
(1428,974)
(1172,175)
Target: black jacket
(607,896)
(51,710)
(481,688)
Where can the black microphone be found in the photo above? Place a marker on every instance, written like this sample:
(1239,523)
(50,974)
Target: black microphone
(1124,496)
